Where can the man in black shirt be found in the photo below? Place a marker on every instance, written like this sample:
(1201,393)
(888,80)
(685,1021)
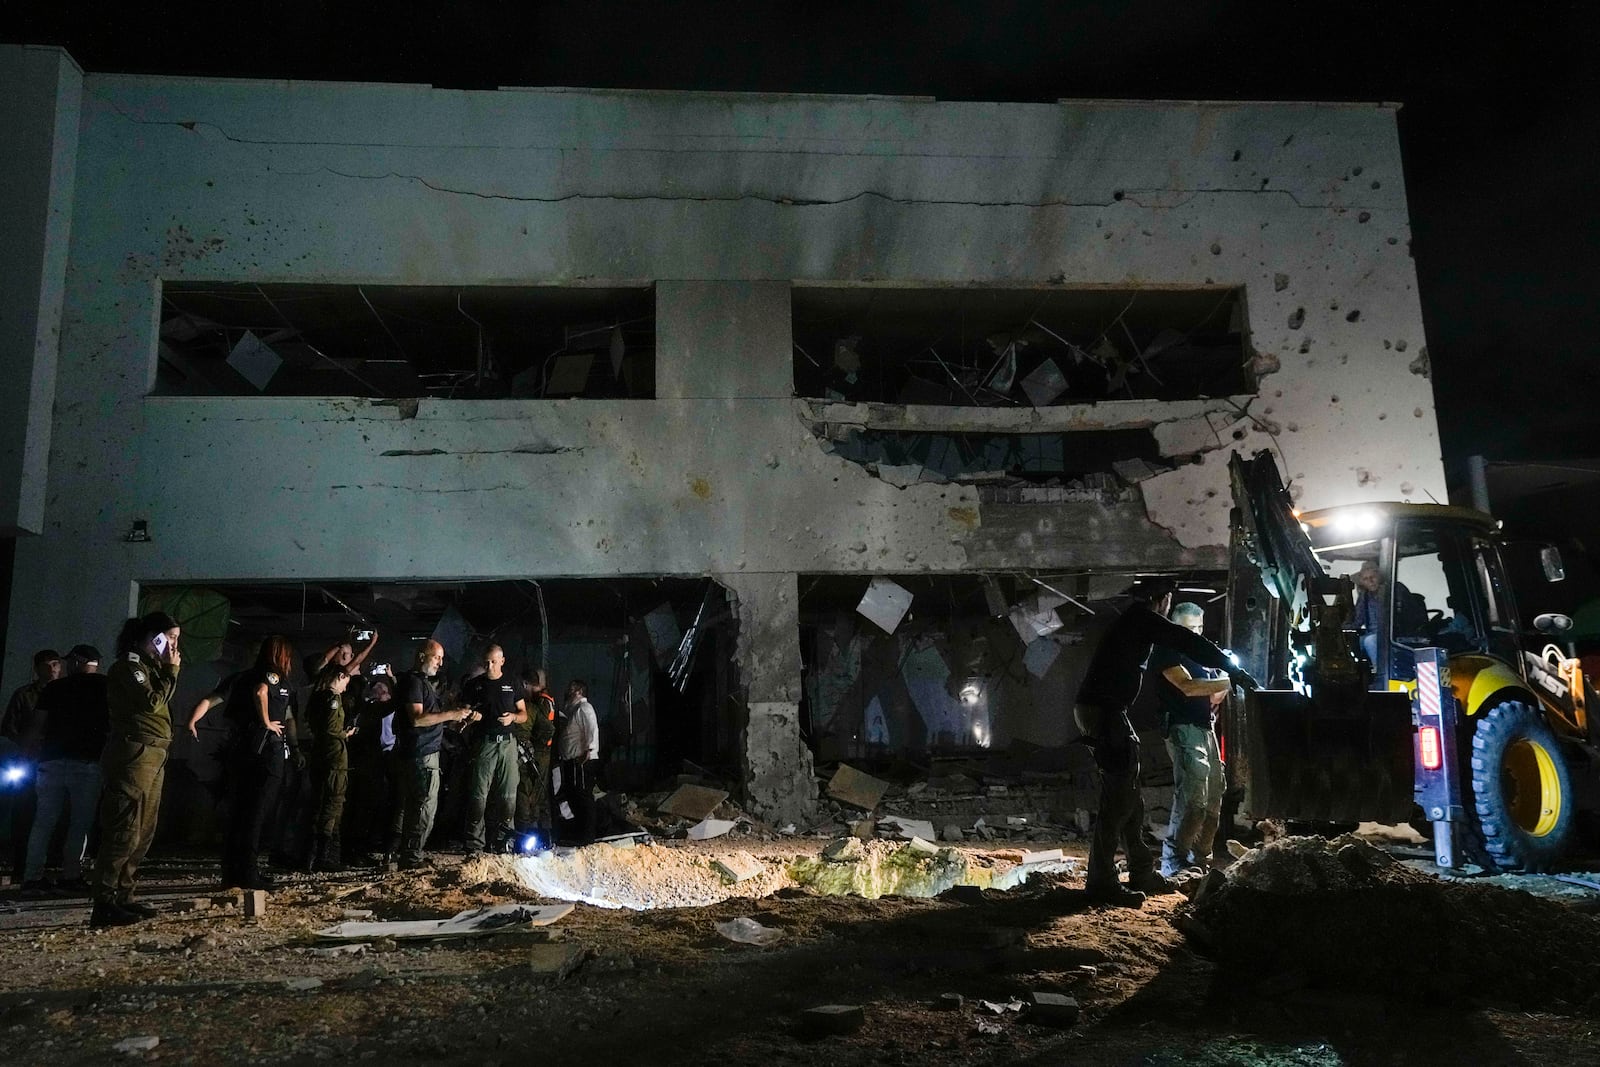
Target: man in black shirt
(73,725)
(497,699)
(419,734)
(1110,686)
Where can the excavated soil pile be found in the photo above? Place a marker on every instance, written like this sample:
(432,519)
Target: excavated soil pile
(1342,913)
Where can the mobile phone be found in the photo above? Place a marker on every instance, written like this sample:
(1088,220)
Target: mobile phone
(159,642)
(363,635)
(378,668)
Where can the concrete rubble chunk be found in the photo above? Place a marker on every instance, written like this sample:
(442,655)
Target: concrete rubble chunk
(864,829)
(192,905)
(832,1020)
(746,931)
(1049,855)
(906,829)
(255,903)
(918,844)
(949,1002)
(302,985)
(738,866)
(554,961)
(843,850)
(953,832)
(1052,1009)
(144,1043)
(693,802)
(856,788)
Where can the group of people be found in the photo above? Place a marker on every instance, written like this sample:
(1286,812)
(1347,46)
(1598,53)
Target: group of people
(99,746)
(1193,676)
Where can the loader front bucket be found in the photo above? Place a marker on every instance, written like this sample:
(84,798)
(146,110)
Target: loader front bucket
(1297,761)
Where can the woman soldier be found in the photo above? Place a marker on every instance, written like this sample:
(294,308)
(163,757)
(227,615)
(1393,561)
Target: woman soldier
(330,764)
(134,762)
(259,707)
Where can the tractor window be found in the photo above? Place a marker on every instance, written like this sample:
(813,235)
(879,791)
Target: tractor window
(1433,603)
(1499,618)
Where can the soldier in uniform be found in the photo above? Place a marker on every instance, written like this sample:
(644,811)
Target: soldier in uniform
(492,776)
(138,687)
(534,738)
(330,764)
(259,710)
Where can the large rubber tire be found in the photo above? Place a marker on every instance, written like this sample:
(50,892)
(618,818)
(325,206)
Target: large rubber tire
(1521,789)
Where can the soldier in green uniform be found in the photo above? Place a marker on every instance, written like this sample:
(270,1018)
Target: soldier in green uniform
(534,738)
(330,764)
(138,687)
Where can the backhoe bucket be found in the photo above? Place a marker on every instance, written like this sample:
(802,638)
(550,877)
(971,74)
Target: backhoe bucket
(1303,763)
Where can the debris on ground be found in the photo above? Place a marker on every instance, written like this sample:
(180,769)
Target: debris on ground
(692,802)
(1343,914)
(832,1020)
(746,931)
(501,918)
(145,1043)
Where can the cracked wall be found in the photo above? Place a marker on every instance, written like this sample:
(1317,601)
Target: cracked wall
(722,202)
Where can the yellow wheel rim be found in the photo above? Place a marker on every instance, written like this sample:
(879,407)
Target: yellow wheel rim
(1532,787)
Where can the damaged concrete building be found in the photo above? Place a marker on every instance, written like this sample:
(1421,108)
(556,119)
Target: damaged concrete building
(280,333)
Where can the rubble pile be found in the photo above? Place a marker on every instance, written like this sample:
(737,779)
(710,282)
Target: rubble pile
(918,868)
(957,806)
(639,877)
(1341,913)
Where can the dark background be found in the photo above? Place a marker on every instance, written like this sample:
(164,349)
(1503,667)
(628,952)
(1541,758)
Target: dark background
(1500,130)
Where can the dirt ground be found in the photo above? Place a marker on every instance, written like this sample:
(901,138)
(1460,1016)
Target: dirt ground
(1325,974)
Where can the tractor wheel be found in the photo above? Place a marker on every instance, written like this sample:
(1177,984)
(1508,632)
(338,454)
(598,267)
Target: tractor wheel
(1521,789)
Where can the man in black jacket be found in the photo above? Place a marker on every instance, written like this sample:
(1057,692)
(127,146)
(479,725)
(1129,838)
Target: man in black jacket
(1108,689)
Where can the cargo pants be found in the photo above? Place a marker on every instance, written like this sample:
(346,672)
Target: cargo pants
(492,782)
(1197,788)
(330,777)
(132,775)
(1120,819)
(422,803)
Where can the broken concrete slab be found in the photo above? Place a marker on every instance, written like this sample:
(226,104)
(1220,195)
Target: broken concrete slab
(949,1002)
(832,1020)
(738,867)
(255,903)
(1052,1009)
(693,802)
(706,829)
(856,788)
(302,985)
(953,832)
(1049,855)
(470,923)
(554,961)
(864,829)
(905,829)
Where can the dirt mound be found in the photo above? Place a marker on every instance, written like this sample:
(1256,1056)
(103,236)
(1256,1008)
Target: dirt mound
(1343,914)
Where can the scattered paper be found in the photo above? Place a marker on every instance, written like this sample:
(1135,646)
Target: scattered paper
(885,604)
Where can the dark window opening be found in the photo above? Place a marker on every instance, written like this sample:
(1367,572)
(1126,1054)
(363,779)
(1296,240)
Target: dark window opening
(1019,347)
(244,339)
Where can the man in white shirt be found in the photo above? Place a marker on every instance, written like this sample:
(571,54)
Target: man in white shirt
(577,756)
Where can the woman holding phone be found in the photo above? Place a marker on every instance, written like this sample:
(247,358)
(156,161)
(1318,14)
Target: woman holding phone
(133,765)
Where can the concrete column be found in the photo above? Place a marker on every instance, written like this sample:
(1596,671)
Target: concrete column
(42,89)
(776,762)
(723,340)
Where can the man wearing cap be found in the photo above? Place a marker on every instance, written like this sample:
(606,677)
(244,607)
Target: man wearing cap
(20,724)
(74,723)
(1110,686)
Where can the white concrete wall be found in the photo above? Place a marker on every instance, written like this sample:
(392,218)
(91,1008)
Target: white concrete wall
(40,88)
(722,202)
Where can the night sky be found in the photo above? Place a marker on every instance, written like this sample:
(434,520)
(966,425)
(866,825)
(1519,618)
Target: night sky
(1500,130)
